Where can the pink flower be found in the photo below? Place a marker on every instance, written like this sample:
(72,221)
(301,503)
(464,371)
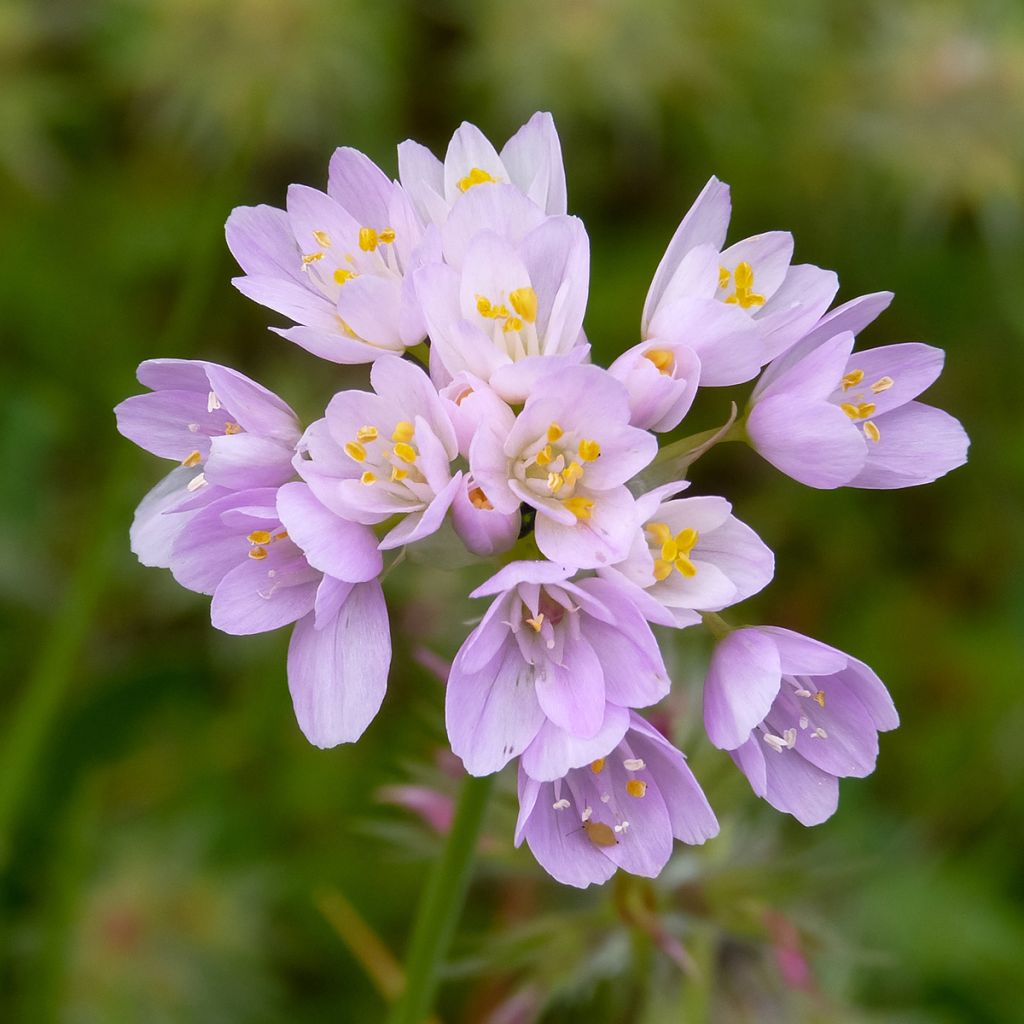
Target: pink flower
(386,453)
(568,455)
(620,811)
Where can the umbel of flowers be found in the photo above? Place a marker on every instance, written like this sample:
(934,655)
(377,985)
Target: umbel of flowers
(463,285)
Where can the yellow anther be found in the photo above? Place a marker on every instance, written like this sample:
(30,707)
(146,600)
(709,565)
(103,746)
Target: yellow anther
(669,550)
(478,499)
(659,531)
(283,535)
(636,787)
(544,456)
(872,432)
(476,176)
(687,539)
(662,358)
(819,698)
(192,460)
(723,277)
(387,236)
(685,567)
(341,275)
(743,296)
(555,482)
(524,302)
(537,622)
(260,537)
(589,450)
(405,452)
(500,312)
(597,766)
(513,323)
(662,569)
(852,379)
(258,554)
(354,450)
(572,472)
(554,432)
(582,508)
(232,428)
(366,434)
(403,431)
(322,239)
(367,239)
(398,474)
(483,306)
(368,478)
(882,384)
(858,412)
(311,257)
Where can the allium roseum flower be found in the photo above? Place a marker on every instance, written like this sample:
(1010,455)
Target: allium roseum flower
(548,650)
(513,311)
(690,555)
(620,811)
(208,416)
(753,279)
(242,549)
(337,263)
(796,715)
(531,160)
(830,417)
(568,455)
(386,453)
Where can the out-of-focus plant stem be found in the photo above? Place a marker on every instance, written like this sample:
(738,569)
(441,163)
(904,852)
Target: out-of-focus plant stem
(441,905)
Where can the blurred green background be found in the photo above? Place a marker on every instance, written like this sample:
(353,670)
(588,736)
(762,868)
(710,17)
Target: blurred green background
(171,850)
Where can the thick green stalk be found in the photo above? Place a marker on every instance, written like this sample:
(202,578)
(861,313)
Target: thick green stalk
(441,905)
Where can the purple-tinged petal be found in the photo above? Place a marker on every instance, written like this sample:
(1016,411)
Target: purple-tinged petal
(515,573)
(416,527)
(356,183)
(258,596)
(533,159)
(256,409)
(422,177)
(261,240)
(345,550)
(240,461)
(330,596)
(499,208)
(156,525)
(338,669)
(572,695)
(742,683)
(603,539)
(795,786)
(787,316)
(918,444)
(891,375)
(480,526)
(801,655)
(769,255)
(555,751)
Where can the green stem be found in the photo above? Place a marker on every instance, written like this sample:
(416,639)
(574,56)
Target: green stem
(441,905)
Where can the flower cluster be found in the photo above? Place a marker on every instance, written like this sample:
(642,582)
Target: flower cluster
(464,286)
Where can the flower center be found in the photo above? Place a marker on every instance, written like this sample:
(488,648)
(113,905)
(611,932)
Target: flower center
(672,552)
(476,176)
(859,410)
(392,464)
(743,294)
(557,465)
(512,329)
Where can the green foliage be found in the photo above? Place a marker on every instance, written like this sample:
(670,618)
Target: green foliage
(164,829)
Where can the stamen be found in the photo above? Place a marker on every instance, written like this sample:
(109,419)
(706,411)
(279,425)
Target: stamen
(366,434)
(513,323)
(636,787)
(483,306)
(196,482)
(589,450)
(322,239)
(743,296)
(872,431)
(367,239)
(555,482)
(212,401)
(789,737)
(662,358)
(572,472)
(404,431)
(587,812)
(192,460)
(852,379)
(398,474)
(387,236)
(560,805)
(193,428)
(524,302)
(537,622)
(819,698)
(634,764)
(777,743)
(882,384)
(804,721)
(476,176)
(554,432)
(662,569)
(260,537)
(858,412)
(582,508)
(659,531)
(544,456)
(368,478)
(597,766)
(232,428)
(478,499)
(820,734)
(405,452)
(355,451)
(723,277)
(341,275)
(311,257)
(258,554)
(283,535)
